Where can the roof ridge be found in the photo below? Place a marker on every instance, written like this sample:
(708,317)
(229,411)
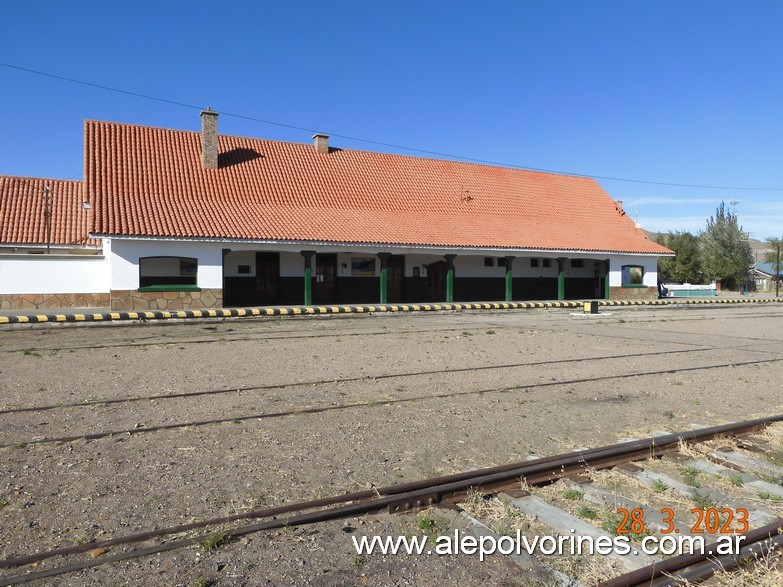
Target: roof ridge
(454,159)
(41,178)
(150,180)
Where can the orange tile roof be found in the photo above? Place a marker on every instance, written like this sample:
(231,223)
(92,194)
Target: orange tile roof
(145,181)
(22,212)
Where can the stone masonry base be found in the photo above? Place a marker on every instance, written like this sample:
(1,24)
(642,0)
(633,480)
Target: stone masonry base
(633,293)
(53,301)
(130,300)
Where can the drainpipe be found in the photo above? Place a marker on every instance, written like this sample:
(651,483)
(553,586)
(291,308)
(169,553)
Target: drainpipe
(47,218)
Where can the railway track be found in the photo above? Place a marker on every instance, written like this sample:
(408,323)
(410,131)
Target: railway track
(707,460)
(232,335)
(372,377)
(373,403)
(659,360)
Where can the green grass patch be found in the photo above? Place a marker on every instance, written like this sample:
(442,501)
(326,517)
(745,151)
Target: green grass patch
(702,501)
(213,541)
(736,480)
(425,524)
(690,476)
(658,486)
(612,522)
(202,581)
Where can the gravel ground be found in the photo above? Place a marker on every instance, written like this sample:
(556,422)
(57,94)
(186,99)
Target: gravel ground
(306,408)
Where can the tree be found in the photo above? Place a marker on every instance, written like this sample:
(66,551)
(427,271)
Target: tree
(685,267)
(771,255)
(725,252)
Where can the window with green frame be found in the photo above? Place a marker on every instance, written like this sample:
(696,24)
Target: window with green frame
(633,276)
(168,274)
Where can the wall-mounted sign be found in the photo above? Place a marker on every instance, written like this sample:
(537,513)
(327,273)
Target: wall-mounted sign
(363,266)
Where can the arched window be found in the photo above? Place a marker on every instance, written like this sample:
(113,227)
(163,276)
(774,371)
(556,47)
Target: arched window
(169,273)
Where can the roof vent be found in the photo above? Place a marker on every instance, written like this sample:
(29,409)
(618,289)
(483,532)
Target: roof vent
(209,142)
(321,143)
(619,207)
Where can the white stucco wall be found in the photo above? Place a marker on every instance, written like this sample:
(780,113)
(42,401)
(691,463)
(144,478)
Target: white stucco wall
(125,255)
(616,263)
(236,258)
(292,264)
(53,274)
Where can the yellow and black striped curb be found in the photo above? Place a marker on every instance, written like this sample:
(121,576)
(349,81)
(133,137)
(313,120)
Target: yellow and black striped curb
(350,309)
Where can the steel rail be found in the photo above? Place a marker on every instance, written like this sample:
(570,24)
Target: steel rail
(700,566)
(703,571)
(291,335)
(356,379)
(399,498)
(373,404)
(276,335)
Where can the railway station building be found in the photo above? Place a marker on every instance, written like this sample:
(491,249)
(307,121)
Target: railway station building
(168,219)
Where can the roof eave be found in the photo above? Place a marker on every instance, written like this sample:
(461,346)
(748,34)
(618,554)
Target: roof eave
(312,243)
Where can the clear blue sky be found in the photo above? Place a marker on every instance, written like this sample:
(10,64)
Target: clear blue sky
(665,91)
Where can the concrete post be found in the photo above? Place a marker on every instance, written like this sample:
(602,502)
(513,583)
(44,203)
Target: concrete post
(449,277)
(384,283)
(308,276)
(561,278)
(509,278)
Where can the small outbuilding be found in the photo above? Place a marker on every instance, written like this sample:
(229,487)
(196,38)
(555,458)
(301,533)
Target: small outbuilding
(47,258)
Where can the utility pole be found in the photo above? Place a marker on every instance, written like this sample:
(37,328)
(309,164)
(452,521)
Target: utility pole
(777,273)
(47,219)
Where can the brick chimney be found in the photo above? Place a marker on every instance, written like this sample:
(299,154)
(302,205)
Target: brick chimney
(321,143)
(209,142)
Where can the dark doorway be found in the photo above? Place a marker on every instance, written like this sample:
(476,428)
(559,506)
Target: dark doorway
(436,281)
(325,291)
(267,278)
(396,278)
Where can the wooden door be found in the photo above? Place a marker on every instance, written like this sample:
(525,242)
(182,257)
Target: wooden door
(395,278)
(325,290)
(267,278)
(436,281)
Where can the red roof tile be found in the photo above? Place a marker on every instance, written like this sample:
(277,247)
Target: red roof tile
(22,212)
(145,181)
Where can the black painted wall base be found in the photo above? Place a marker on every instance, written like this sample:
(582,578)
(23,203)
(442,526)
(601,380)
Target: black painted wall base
(240,291)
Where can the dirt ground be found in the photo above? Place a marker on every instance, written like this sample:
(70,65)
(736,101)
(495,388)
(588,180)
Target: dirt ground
(300,408)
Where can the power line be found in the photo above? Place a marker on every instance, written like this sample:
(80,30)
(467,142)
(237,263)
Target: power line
(380,143)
